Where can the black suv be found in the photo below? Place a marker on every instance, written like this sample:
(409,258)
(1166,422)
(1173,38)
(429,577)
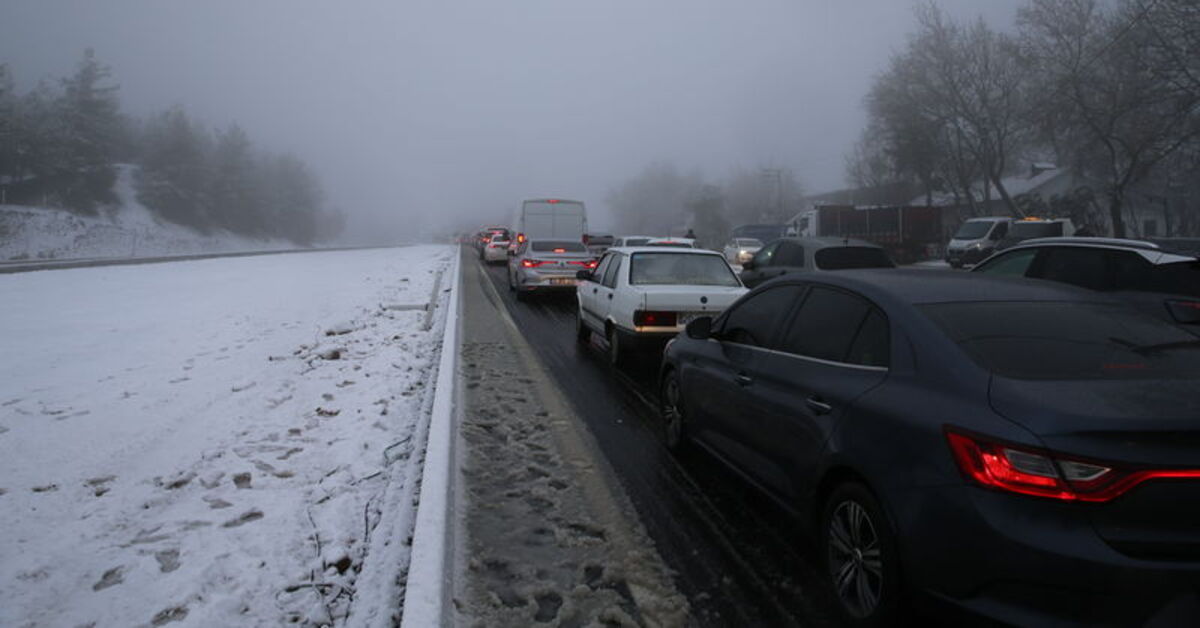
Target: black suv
(1161,276)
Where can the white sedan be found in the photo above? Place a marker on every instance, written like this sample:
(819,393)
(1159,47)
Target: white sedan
(741,250)
(496,250)
(641,296)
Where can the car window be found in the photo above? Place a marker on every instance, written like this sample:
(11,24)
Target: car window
(826,324)
(847,257)
(610,274)
(681,269)
(1178,278)
(1130,271)
(754,320)
(788,254)
(558,246)
(872,345)
(1014,264)
(1086,268)
(1046,340)
(764,255)
(1000,231)
(598,274)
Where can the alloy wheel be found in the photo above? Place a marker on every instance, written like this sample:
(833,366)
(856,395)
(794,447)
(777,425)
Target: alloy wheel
(855,559)
(671,414)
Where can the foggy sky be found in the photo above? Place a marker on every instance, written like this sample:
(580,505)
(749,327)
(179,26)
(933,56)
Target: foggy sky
(432,112)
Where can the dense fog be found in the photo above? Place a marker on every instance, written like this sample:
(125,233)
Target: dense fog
(420,117)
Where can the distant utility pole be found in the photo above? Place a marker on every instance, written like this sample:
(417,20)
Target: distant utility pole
(777,175)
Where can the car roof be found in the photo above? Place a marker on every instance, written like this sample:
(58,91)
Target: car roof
(664,249)
(825,242)
(1111,243)
(915,286)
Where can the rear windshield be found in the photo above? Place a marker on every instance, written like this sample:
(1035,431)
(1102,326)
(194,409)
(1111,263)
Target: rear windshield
(1068,340)
(567,246)
(1036,230)
(681,269)
(747,242)
(973,230)
(847,257)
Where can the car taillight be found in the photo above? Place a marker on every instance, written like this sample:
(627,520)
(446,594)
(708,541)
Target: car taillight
(1041,473)
(648,318)
(520,238)
(532,263)
(593,263)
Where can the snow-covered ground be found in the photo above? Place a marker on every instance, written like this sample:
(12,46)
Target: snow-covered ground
(126,230)
(213,442)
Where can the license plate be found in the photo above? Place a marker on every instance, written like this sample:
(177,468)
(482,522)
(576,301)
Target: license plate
(562,281)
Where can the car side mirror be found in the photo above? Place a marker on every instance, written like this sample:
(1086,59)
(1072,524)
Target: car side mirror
(699,328)
(584,275)
(748,265)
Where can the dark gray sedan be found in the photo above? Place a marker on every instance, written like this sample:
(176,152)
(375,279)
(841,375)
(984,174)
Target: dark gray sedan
(1025,451)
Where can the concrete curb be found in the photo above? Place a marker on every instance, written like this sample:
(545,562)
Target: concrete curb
(429,586)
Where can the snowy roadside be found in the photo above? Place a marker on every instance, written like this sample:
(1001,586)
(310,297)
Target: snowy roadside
(208,442)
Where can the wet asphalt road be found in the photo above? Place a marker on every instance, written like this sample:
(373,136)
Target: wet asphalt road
(739,559)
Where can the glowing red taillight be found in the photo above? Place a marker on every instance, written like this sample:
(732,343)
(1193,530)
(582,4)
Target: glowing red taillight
(532,263)
(1041,473)
(648,318)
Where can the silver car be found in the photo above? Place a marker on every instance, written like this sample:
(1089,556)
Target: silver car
(547,266)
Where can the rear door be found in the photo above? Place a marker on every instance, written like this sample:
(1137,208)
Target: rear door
(831,351)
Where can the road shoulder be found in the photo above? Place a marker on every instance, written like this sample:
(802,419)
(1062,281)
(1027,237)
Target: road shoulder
(551,537)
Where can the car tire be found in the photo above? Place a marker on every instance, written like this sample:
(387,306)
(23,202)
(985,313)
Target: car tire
(616,352)
(861,560)
(674,427)
(583,333)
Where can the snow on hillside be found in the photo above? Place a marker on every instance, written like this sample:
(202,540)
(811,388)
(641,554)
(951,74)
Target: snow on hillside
(127,230)
(226,442)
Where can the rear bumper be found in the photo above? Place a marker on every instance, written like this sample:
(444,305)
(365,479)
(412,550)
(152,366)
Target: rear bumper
(545,282)
(1030,561)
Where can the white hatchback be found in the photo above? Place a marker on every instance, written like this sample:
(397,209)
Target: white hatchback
(646,295)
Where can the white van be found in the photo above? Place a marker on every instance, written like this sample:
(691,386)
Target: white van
(551,219)
(976,239)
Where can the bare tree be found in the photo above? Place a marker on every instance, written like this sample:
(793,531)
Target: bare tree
(1108,107)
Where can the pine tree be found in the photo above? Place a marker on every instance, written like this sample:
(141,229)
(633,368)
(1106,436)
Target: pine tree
(175,170)
(92,129)
(236,198)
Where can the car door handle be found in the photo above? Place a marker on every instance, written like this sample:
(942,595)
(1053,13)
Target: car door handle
(818,405)
(610,296)
(743,379)
(595,290)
